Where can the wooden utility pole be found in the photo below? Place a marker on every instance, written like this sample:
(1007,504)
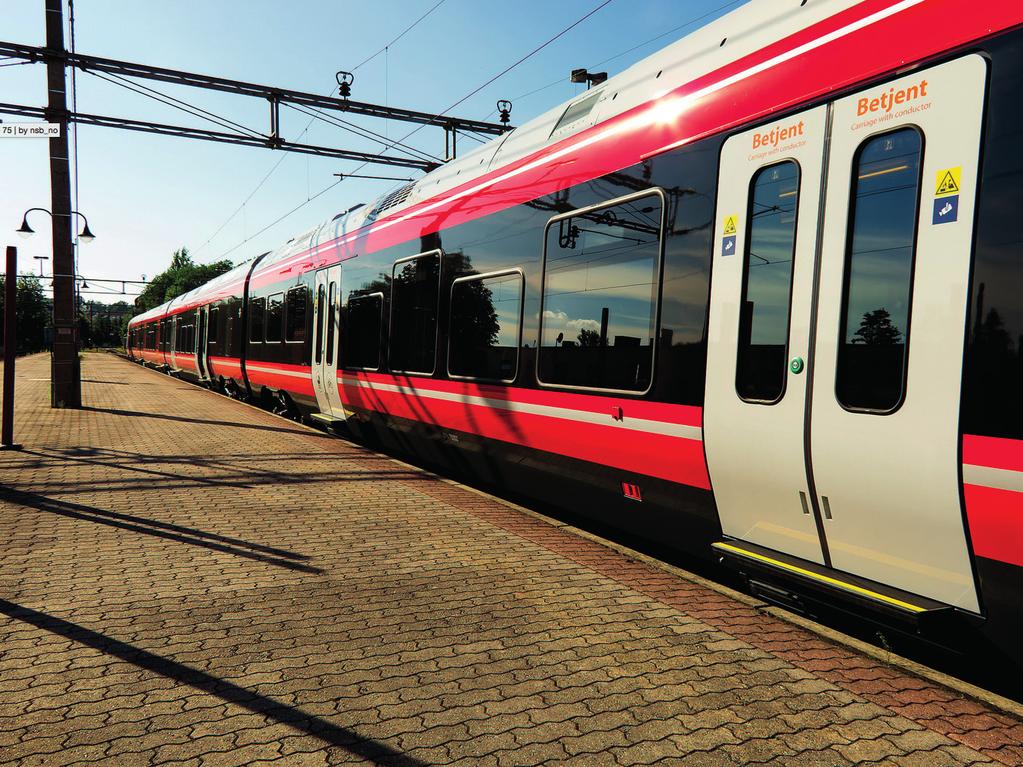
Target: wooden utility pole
(65,372)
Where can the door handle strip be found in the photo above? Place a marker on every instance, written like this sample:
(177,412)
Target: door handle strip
(827,506)
(802,500)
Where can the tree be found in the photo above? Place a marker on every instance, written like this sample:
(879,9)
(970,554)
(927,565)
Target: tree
(876,329)
(588,337)
(181,276)
(32,311)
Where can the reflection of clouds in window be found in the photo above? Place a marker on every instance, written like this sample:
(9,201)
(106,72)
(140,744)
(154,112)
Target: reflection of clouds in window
(600,296)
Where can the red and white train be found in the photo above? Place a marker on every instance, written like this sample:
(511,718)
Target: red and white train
(758,298)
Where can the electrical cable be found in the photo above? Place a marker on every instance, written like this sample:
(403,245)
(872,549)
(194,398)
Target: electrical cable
(673,30)
(358,130)
(184,106)
(305,130)
(420,127)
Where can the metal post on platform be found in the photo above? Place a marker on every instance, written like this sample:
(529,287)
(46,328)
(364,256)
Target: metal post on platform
(65,374)
(10,348)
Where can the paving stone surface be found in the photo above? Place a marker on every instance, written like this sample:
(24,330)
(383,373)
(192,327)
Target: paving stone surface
(187,580)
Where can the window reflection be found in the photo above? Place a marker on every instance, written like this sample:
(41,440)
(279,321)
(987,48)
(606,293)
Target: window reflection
(767,281)
(484,333)
(360,347)
(600,297)
(415,289)
(878,272)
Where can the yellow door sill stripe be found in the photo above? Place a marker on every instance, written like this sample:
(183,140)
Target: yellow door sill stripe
(823,578)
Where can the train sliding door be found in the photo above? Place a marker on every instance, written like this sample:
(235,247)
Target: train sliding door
(202,342)
(761,293)
(875,382)
(326,342)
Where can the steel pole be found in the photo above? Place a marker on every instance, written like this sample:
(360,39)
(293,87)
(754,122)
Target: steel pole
(10,348)
(65,372)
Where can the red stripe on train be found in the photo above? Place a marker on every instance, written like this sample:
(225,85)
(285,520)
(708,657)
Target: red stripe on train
(996,523)
(996,452)
(687,415)
(274,380)
(672,458)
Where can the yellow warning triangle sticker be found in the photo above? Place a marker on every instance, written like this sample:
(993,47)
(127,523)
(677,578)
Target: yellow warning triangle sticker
(947,181)
(730,225)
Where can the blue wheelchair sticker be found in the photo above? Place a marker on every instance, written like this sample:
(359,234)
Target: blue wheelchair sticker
(728,246)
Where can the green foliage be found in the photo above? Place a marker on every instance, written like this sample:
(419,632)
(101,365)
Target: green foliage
(33,313)
(181,276)
(103,325)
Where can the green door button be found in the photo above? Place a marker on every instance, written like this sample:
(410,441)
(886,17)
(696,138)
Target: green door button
(796,366)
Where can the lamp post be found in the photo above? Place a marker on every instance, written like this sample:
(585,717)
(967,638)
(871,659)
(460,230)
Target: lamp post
(65,371)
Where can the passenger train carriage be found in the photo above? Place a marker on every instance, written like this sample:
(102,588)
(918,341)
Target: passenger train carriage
(758,298)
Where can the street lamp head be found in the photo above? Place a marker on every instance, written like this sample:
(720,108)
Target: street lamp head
(86,236)
(25,230)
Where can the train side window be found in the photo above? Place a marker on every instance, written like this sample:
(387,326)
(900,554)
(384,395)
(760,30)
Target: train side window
(761,364)
(364,319)
(878,283)
(212,324)
(415,297)
(274,318)
(257,309)
(601,280)
(331,320)
(296,309)
(320,308)
(486,319)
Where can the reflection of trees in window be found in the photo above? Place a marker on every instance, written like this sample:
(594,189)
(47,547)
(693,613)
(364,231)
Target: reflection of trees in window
(878,272)
(600,286)
(415,287)
(484,331)
(275,317)
(297,311)
(876,329)
(360,340)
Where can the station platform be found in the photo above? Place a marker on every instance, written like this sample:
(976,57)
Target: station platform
(188,580)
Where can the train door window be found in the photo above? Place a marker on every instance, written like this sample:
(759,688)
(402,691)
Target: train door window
(320,308)
(601,281)
(878,283)
(296,310)
(331,320)
(257,310)
(212,324)
(364,319)
(486,318)
(415,296)
(275,318)
(761,364)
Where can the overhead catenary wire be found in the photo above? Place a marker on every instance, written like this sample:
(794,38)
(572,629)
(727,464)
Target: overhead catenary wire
(305,130)
(404,138)
(671,31)
(176,103)
(358,130)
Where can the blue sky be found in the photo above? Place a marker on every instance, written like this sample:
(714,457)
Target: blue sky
(147,195)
